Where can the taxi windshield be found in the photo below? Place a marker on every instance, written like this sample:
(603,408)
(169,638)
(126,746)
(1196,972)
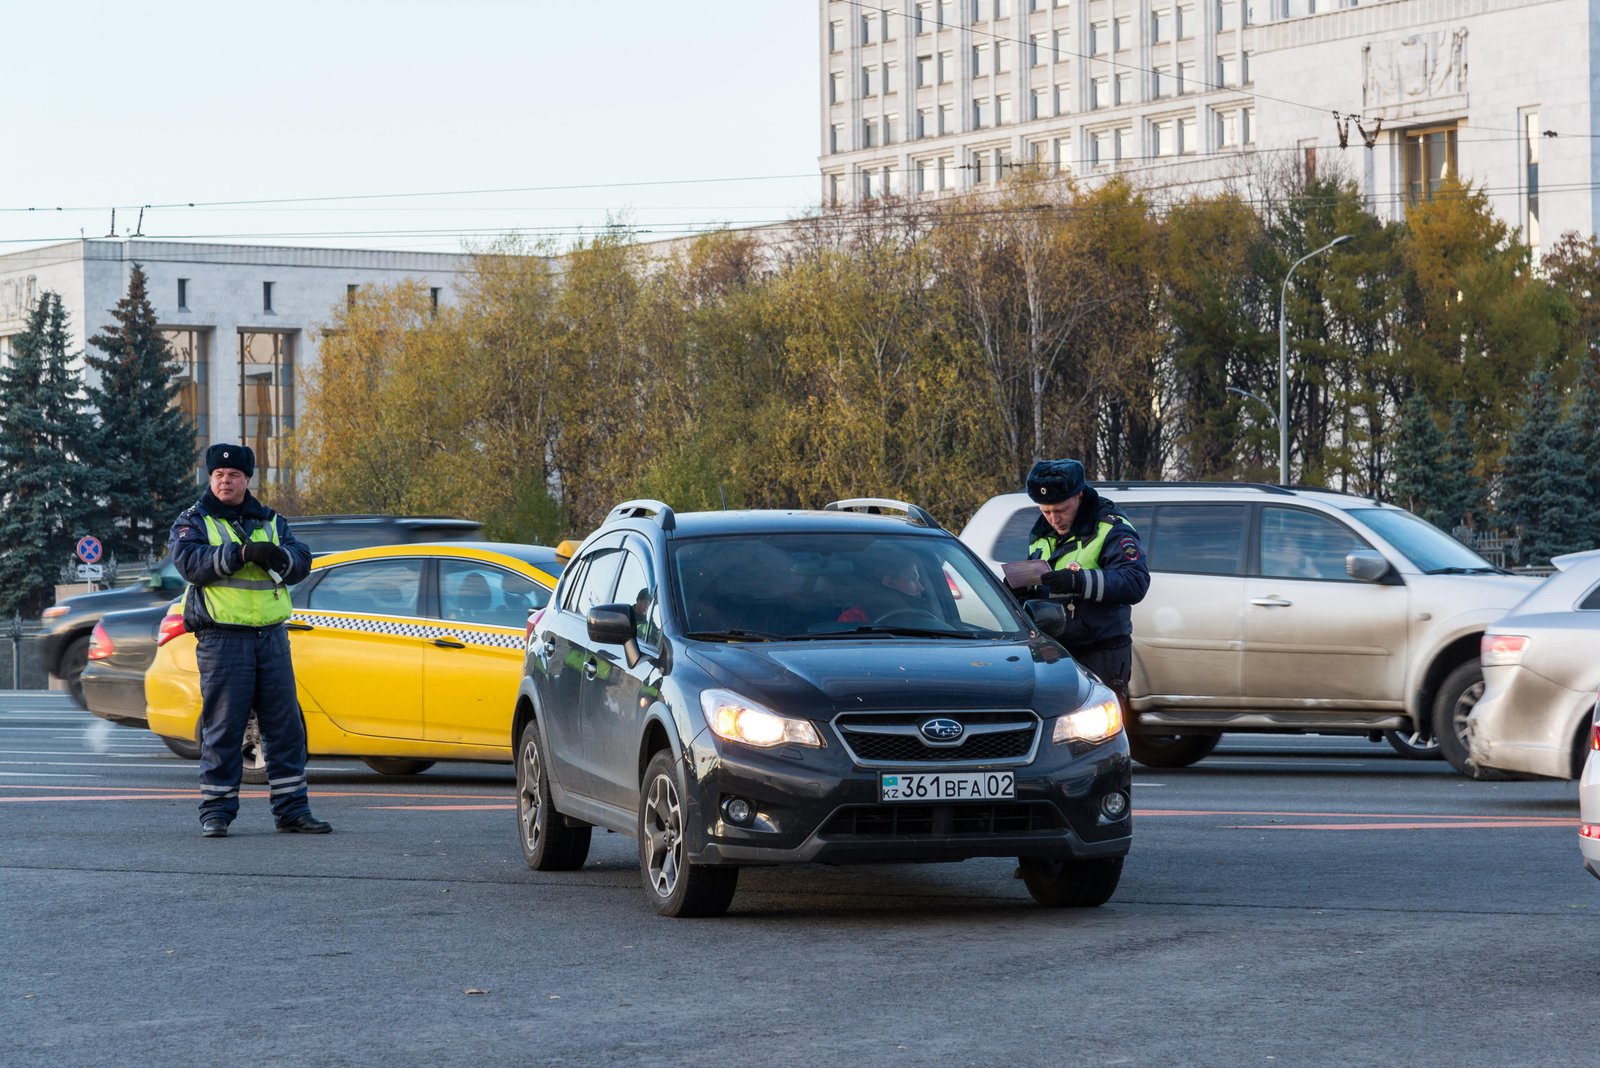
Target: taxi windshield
(792,587)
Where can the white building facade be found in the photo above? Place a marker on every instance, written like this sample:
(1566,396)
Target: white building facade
(243,320)
(927,97)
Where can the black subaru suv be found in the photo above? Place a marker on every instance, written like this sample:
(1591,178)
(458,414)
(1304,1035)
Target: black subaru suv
(845,685)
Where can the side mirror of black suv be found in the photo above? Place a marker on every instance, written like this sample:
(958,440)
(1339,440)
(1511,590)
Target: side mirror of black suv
(613,624)
(1049,615)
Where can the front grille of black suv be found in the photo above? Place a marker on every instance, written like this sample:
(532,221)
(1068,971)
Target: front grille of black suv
(1004,737)
(925,821)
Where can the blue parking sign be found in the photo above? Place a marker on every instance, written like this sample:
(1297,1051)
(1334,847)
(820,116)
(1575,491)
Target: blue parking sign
(89,549)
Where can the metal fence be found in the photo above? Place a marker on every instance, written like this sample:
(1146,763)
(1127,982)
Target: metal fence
(21,667)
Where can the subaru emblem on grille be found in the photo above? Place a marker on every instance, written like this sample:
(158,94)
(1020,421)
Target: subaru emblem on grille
(941,730)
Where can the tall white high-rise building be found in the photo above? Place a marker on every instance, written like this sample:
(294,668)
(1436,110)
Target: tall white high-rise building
(925,97)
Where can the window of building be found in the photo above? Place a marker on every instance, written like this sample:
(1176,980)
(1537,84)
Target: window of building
(1124,142)
(1122,32)
(947,172)
(1099,147)
(1234,127)
(891,129)
(871,80)
(1039,156)
(1245,77)
(1162,26)
(1002,56)
(1099,38)
(1002,8)
(1164,137)
(891,77)
(1005,112)
(981,172)
(1430,158)
(1039,51)
(350,296)
(433,299)
(836,140)
(1124,83)
(1188,135)
(1003,163)
(1227,14)
(1063,99)
(891,180)
(925,127)
(982,113)
(947,118)
(835,188)
(947,12)
(191,356)
(1161,81)
(891,24)
(836,38)
(925,174)
(1188,23)
(836,87)
(869,133)
(1039,104)
(1100,91)
(1530,178)
(871,28)
(925,70)
(266,397)
(183,294)
(947,67)
(1064,153)
(266,296)
(1228,69)
(1188,77)
(980,61)
(871,184)
(923,17)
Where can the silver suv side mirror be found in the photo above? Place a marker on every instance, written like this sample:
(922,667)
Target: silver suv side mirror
(1366,565)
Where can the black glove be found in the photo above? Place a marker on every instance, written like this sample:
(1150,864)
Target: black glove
(267,555)
(1065,581)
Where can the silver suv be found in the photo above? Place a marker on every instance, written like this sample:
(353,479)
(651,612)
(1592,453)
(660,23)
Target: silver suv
(1280,609)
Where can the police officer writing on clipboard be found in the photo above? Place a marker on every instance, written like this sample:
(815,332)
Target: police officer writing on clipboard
(238,556)
(1082,552)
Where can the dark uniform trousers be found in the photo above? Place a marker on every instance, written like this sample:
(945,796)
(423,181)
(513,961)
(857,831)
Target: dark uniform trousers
(243,668)
(1114,666)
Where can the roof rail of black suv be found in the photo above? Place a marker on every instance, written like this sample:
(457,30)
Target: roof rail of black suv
(644,508)
(884,506)
(1265,487)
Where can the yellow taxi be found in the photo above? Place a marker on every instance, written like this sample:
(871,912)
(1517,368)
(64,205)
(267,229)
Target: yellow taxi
(403,654)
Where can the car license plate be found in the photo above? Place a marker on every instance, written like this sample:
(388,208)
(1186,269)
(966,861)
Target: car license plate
(949,786)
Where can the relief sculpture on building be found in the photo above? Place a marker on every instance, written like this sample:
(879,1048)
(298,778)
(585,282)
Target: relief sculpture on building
(1414,69)
(17,298)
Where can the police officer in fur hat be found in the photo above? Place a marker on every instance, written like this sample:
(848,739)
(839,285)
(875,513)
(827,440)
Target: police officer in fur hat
(238,556)
(1096,566)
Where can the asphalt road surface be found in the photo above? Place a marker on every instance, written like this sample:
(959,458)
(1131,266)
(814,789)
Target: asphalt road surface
(1288,901)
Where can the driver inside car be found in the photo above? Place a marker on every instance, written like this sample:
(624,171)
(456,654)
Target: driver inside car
(899,586)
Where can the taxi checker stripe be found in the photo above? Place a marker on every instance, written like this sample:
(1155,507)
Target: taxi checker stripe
(412,630)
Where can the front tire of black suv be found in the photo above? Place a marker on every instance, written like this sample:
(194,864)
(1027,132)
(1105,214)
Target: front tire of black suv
(1170,750)
(1071,883)
(675,886)
(548,843)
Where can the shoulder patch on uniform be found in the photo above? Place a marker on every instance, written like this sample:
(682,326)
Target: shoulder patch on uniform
(187,532)
(1129,547)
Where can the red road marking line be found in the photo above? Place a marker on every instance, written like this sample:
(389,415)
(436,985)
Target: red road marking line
(1335,815)
(1475,824)
(441,808)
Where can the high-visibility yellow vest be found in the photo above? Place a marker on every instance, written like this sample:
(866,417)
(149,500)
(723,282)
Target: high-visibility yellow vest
(249,597)
(1086,555)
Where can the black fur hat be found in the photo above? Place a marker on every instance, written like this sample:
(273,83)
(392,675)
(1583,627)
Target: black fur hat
(238,457)
(1053,481)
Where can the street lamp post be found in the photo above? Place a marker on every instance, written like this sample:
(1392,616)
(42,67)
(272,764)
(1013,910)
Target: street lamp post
(1283,360)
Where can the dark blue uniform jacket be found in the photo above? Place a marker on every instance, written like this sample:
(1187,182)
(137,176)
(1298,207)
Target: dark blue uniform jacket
(1103,616)
(200,562)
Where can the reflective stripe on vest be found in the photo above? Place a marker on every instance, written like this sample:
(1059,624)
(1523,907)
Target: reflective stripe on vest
(1086,555)
(249,597)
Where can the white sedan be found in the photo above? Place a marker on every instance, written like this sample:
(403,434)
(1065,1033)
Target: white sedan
(1589,804)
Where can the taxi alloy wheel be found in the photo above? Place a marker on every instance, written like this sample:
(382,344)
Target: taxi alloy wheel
(255,754)
(549,841)
(675,886)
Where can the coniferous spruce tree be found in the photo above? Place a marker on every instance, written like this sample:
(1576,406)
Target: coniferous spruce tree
(1543,489)
(44,486)
(1460,491)
(145,444)
(1417,463)
(1583,417)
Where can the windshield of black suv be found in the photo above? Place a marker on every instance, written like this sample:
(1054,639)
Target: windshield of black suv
(1432,550)
(785,587)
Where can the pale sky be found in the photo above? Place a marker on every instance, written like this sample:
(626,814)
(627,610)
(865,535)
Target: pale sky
(673,113)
